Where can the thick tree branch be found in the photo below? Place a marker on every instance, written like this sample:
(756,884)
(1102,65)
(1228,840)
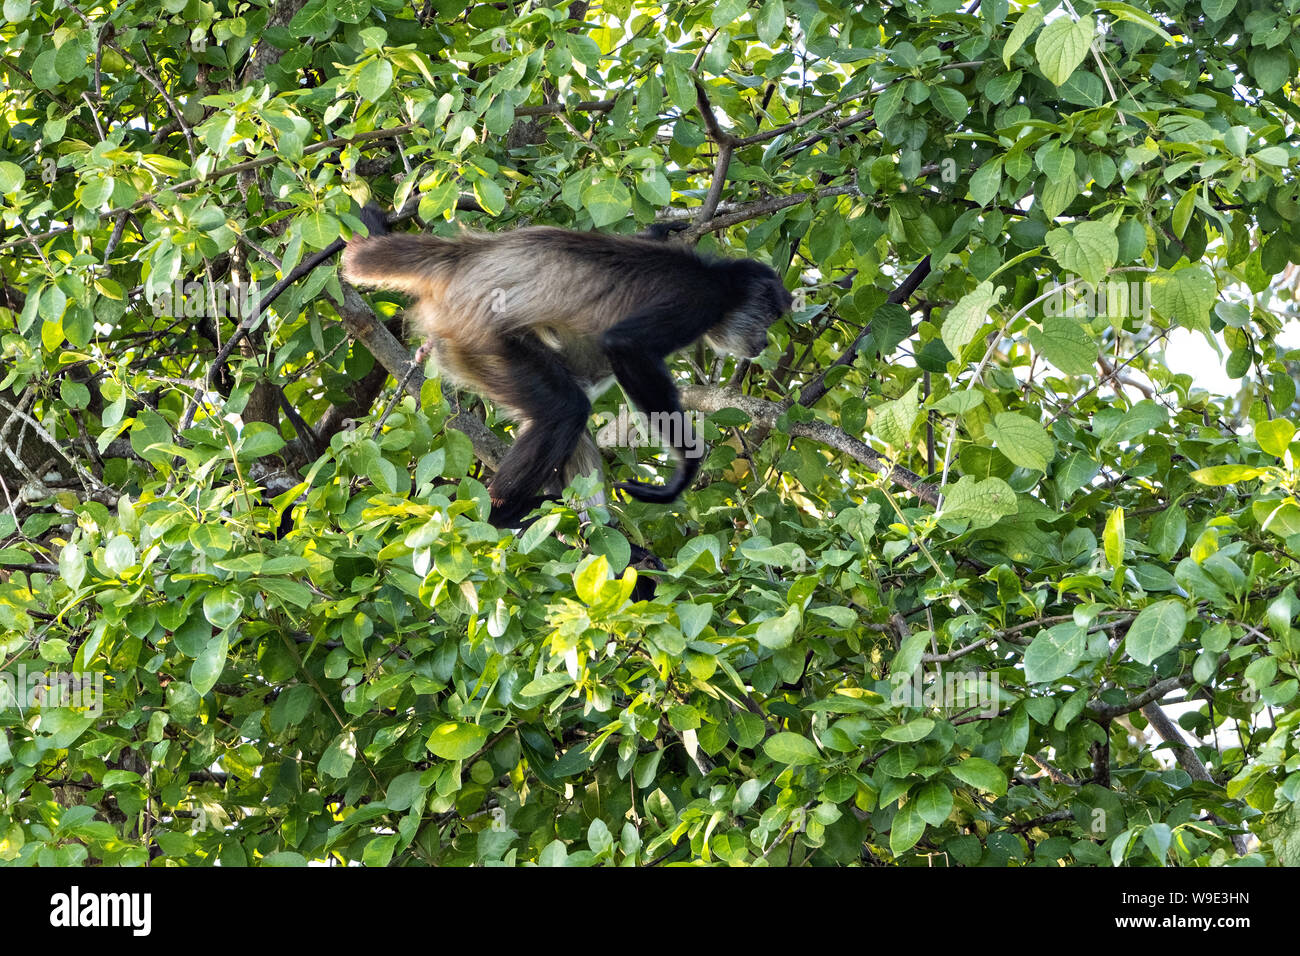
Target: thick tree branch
(1168,732)
(815,389)
(363,326)
(709,400)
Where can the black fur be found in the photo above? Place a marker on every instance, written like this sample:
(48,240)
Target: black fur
(375,219)
(662,231)
(574,308)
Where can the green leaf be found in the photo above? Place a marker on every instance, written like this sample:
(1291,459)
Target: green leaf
(934,802)
(1079,469)
(598,836)
(403,791)
(589,576)
(338,757)
(1185,296)
(537,532)
(553,854)
(908,827)
(1220,475)
(959,402)
(456,741)
(1183,212)
(287,592)
(894,420)
(319,229)
(950,102)
(771,21)
(654,187)
(1143,417)
(1022,440)
(968,316)
(778,632)
(379,851)
(985,181)
(1064,343)
(985,502)
(1168,529)
(222,606)
(1055,652)
(119,555)
(16,11)
(1122,11)
(693,618)
(1028,22)
(1114,539)
(1088,249)
(207,667)
(490,196)
(981,774)
(375,79)
(1271,68)
(1274,436)
(11,177)
(546,684)
(62,726)
(724,12)
(606,199)
(681,87)
(790,748)
(1062,46)
(1157,837)
(72,566)
(259,440)
(438,200)
(1156,630)
(911,731)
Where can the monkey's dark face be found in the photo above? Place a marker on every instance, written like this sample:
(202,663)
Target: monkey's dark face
(743,329)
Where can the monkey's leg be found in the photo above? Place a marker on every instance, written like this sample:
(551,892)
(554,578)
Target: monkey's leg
(636,348)
(553,409)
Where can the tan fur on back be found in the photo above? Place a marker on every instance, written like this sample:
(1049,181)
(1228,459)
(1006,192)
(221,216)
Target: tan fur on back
(471,290)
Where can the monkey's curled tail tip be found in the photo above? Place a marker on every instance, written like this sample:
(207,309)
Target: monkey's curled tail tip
(655,494)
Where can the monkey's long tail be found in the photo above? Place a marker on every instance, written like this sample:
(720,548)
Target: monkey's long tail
(662,494)
(398,261)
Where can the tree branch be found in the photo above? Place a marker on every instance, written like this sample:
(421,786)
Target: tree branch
(709,400)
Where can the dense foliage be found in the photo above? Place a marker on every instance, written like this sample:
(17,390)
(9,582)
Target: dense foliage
(270,561)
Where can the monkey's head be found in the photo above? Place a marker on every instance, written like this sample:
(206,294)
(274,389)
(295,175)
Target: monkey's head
(761,298)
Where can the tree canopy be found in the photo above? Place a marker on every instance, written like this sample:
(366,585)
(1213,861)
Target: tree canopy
(971,575)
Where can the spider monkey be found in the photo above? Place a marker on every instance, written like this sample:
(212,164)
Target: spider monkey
(540,319)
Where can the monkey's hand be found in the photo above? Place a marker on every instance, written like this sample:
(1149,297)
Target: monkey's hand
(510,512)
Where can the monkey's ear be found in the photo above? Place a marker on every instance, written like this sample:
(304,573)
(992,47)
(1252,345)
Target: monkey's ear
(375,219)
